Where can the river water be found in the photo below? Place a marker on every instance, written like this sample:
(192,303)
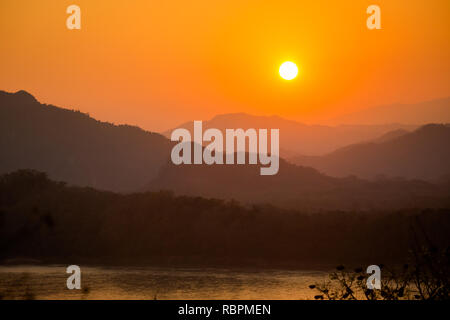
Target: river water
(49,282)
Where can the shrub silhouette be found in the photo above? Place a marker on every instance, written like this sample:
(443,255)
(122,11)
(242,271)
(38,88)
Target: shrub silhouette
(425,278)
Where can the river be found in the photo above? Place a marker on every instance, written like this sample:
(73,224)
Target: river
(49,282)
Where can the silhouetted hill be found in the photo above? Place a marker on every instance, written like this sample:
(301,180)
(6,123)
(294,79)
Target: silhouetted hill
(391,135)
(434,111)
(298,187)
(297,138)
(48,221)
(421,154)
(73,147)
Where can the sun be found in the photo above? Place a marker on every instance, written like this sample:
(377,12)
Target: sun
(288,70)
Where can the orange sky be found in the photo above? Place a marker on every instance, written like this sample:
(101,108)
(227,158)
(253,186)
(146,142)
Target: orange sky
(159,63)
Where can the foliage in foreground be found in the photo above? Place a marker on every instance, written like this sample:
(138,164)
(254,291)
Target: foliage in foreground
(425,278)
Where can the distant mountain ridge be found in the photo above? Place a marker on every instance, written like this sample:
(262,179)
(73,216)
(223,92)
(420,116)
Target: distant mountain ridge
(391,135)
(298,187)
(73,147)
(298,138)
(434,111)
(421,154)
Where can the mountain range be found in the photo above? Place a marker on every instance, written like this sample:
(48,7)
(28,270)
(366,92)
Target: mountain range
(71,146)
(299,187)
(437,110)
(297,138)
(421,154)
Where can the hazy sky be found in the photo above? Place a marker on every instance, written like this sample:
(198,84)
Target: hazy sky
(159,63)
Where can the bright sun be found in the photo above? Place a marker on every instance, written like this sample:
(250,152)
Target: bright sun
(288,70)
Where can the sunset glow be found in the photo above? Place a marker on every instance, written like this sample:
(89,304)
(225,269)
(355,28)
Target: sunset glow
(158,64)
